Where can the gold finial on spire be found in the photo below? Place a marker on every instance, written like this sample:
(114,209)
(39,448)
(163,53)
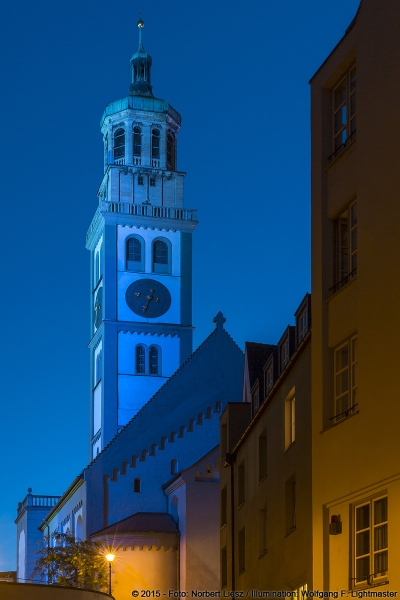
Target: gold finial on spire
(140,23)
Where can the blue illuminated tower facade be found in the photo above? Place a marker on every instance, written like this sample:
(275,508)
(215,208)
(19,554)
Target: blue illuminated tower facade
(140,241)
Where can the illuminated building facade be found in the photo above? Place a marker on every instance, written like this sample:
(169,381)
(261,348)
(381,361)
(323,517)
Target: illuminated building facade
(355,266)
(151,490)
(266,466)
(345,489)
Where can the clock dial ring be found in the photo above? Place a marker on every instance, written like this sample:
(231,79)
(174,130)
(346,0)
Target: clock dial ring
(148,298)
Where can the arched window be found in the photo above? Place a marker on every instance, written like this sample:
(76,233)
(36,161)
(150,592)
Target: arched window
(154,360)
(155,143)
(140,359)
(119,144)
(134,254)
(136,485)
(79,529)
(170,151)
(161,256)
(137,141)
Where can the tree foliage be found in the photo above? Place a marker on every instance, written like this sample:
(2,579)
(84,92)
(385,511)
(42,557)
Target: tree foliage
(72,562)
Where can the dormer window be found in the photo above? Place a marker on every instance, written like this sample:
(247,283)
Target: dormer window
(119,144)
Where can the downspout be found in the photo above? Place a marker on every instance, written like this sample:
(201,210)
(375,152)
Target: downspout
(233,586)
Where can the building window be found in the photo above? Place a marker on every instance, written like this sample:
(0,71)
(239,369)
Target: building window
(345,239)
(174,466)
(170,151)
(269,378)
(152,182)
(137,141)
(290,504)
(161,256)
(242,550)
(290,419)
(155,144)
(224,567)
(153,356)
(262,455)
(134,254)
(241,484)
(346,378)
(255,399)
(136,485)
(98,368)
(119,144)
(224,506)
(140,180)
(370,541)
(140,359)
(262,531)
(302,324)
(284,353)
(344,110)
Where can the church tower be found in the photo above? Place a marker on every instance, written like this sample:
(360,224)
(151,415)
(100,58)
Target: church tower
(140,242)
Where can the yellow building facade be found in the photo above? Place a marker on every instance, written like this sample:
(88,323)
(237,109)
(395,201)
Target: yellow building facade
(355,291)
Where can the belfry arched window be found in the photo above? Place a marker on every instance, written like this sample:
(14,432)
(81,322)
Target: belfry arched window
(137,142)
(161,256)
(170,151)
(155,144)
(154,360)
(119,144)
(140,359)
(134,254)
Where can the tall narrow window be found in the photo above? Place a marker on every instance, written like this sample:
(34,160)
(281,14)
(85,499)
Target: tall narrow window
(262,455)
(170,151)
(371,541)
(290,419)
(241,484)
(242,550)
(98,369)
(137,142)
(136,485)
(133,251)
(224,506)
(224,567)
(140,359)
(262,531)
(290,504)
(346,378)
(344,110)
(284,353)
(153,360)
(155,144)
(345,257)
(119,144)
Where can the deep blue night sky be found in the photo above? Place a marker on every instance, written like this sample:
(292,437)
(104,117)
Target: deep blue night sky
(238,74)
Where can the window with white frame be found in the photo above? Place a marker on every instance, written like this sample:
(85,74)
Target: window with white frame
(344,110)
(370,556)
(302,324)
(346,378)
(134,254)
(345,251)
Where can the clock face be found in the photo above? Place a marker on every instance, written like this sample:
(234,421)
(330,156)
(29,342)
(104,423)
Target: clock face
(98,308)
(148,298)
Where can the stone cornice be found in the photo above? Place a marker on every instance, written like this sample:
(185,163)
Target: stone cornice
(157,329)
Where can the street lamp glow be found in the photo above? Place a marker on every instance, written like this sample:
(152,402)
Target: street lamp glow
(110,557)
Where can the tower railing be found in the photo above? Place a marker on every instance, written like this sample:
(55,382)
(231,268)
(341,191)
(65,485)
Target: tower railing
(149,210)
(38,501)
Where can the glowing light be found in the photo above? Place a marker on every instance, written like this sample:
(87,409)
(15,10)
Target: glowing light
(110,557)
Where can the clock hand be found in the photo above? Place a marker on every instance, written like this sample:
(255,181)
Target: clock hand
(149,298)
